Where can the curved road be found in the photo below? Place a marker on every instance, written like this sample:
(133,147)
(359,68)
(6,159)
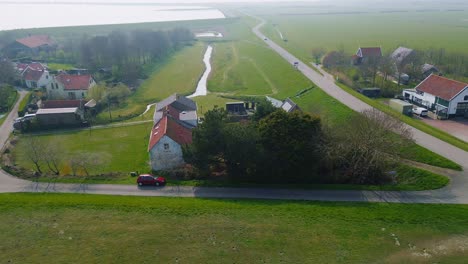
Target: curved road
(454,193)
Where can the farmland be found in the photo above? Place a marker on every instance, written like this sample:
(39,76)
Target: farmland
(68,228)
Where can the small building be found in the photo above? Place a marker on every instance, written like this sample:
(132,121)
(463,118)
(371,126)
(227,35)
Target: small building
(68,86)
(287,105)
(370,92)
(32,45)
(401,107)
(428,69)
(444,96)
(64,104)
(59,117)
(401,54)
(236,108)
(363,55)
(174,119)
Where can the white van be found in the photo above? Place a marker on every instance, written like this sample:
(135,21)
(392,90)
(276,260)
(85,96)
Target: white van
(420,111)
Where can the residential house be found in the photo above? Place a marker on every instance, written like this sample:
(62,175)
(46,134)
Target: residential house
(428,69)
(444,96)
(36,78)
(174,119)
(30,45)
(365,54)
(287,105)
(68,86)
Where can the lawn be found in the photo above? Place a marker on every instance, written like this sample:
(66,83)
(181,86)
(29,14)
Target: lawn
(70,228)
(59,66)
(180,74)
(119,150)
(11,102)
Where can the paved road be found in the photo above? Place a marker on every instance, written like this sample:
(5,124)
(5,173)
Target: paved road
(7,127)
(455,193)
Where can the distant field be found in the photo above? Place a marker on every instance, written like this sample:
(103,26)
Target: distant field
(419,30)
(66,228)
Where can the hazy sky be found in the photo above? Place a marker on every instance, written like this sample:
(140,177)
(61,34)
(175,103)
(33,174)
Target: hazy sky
(155,1)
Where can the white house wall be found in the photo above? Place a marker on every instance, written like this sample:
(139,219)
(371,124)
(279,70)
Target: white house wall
(458,99)
(163,159)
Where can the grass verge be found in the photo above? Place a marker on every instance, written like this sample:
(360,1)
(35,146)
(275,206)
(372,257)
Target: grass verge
(71,227)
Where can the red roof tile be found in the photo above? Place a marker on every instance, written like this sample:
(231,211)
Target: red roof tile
(74,82)
(371,52)
(36,41)
(168,126)
(37,66)
(31,75)
(63,103)
(441,87)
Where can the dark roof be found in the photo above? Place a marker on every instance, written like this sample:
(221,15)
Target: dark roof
(63,103)
(428,67)
(170,127)
(177,101)
(32,75)
(74,82)
(441,87)
(369,52)
(289,106)
(36,41)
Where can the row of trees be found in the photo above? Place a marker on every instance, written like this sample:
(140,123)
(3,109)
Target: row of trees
(297,148)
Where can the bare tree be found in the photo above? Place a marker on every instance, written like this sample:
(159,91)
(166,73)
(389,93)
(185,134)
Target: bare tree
(367,147)
(35,151)
(317,54)
(53,156)
(85,163)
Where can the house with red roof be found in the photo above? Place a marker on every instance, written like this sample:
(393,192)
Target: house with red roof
(31,45)
(444,96)
(366,54)
(174,119)
(70,86)
(36,78)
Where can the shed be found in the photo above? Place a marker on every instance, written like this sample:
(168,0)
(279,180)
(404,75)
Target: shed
(401,106)
(237,108)
(56,117)
(370,92)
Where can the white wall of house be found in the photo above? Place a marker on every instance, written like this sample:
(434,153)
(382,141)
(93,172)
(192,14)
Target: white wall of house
(44,81)
(56,90)
(166,154)
(460,98)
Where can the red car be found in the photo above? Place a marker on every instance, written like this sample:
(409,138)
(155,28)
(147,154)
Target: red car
(147,179)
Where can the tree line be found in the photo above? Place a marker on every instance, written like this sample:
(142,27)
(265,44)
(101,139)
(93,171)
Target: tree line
(281,147)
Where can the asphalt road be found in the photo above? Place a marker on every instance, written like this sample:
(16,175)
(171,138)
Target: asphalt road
(454,193)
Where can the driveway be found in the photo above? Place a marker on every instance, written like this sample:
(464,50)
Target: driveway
(455,127)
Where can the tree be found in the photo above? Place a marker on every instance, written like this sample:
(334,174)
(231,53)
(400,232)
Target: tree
(387,68)
(263,109)
(371,67)
(35,151)
(97,92)
(291,144)
(317,54)
(53,156)
(6,92)
(366,147)
(334,59)
(7,72)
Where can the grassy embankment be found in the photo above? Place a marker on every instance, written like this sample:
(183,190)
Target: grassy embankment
(41,228)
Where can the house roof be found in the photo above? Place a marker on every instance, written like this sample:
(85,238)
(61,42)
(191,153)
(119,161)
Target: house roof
(427,67)
(177,101)
(370,52)
(49,111)
(74,82)
(63,103)
(275,102)
(401,53)
(170,127)
(289,106)
(35,41)
(32,75)
(441,87)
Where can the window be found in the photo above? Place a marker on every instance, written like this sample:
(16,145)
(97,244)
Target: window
(166,146)
(466,98)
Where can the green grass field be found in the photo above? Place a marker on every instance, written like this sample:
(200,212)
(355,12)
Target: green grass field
(179,74)
(70,228)
(418,30)
(120,150)
(59,66)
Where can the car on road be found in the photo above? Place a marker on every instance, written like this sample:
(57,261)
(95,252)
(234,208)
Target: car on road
(148,179)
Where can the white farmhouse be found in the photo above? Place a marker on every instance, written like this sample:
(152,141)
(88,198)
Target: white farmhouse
(444,96)
(36,79)
(68,86)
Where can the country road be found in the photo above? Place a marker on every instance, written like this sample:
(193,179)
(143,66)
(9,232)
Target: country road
(454,193)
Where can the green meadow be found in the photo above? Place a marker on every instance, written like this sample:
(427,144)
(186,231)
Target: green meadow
(71,228)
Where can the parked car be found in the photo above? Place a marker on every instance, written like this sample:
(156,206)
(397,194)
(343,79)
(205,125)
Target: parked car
(148,179)
(420,111)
